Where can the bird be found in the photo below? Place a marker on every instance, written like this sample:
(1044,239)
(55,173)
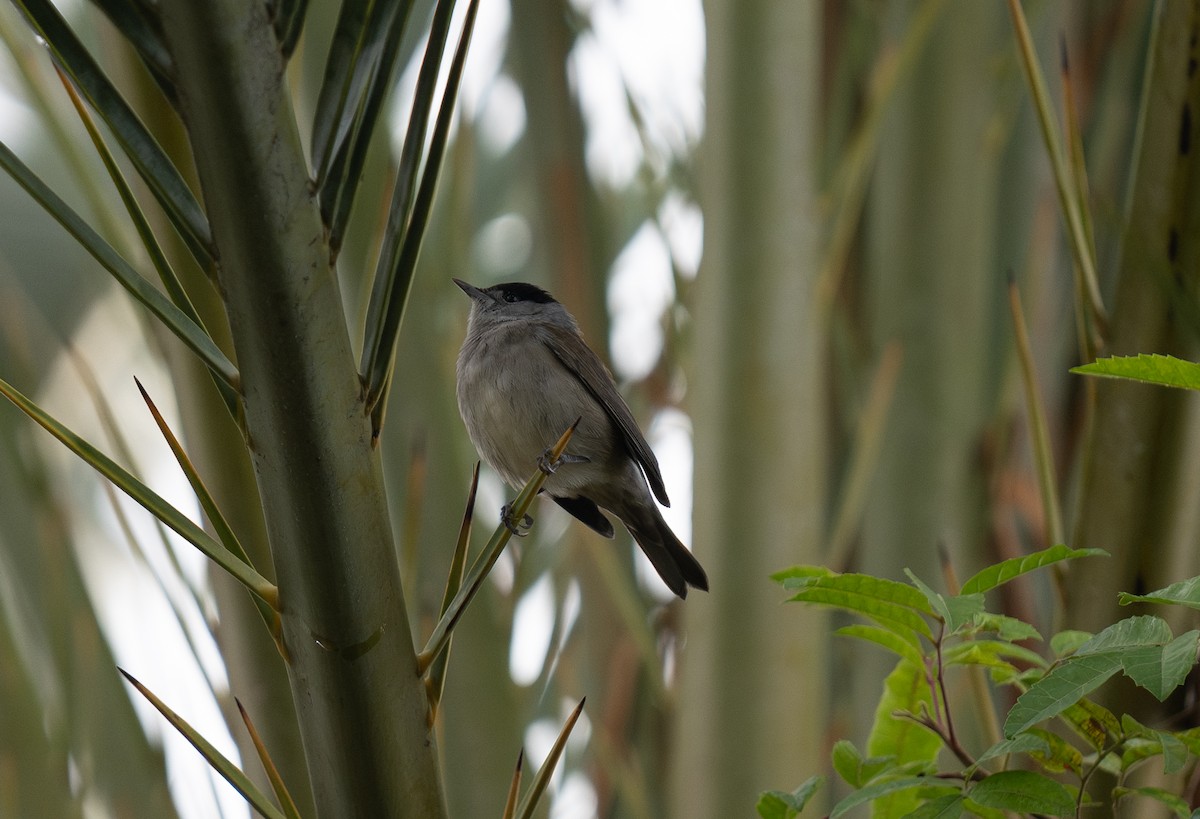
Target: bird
(524,375)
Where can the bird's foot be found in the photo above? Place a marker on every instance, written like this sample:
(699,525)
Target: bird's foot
(519,528)
(548,465)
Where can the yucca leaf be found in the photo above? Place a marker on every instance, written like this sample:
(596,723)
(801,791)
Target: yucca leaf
(233,775)
(340,184)
(365,30)
(514,790)
(289,22)
(166,274)
(1043,453)
(406,224)
(215,517)
(281,792)
(175,319)
(140,27)
(440,637)
(542,779)
(1082,252)
(152,163)
(147,498)
(458,564)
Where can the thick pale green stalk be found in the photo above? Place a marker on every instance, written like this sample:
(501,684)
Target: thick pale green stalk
(361,706)
(1137,498)
(758,408)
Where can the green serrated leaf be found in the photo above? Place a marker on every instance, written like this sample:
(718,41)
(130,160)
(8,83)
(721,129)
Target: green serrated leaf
(1024,792)
(1177,805)
(233,775)
(1164,370)
(949,806)
(1058,755)
(1162,669)
(783,805)
(1001,573)
(1025,743)
(907,647)
(1094,723)
(1066,642)
(954,610)
(1127,634)
(851,767)
(896,606)
(890,788)
(1064,686)
(801,571)
(1175,753)
(905,690)
(991,653)
(1183,593)
(846,762)
(1005,627)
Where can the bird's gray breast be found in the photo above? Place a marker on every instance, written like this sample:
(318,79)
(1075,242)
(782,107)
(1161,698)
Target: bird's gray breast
(516,399)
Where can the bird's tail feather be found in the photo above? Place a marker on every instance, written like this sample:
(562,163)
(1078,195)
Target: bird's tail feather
(677,566)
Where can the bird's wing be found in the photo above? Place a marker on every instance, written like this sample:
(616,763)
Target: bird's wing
(569,348)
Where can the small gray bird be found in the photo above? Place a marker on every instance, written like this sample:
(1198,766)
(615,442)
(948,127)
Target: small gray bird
(524,376)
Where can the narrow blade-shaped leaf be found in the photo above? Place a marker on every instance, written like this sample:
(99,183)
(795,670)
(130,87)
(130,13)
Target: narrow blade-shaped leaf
(406,226)
(158,258)
(233,775)
(1002,572)
(152,163)
(487,558)
(360,39)
(542,779)
(147,498)
(514,788)
(142,31)
(141,289)
(1043,453)
(1082,252)
(165,274)
(458,564)
(281,792)
(289,22)
(1164,370)
(216,518)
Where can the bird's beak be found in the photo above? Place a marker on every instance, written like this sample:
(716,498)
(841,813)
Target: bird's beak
(471,290)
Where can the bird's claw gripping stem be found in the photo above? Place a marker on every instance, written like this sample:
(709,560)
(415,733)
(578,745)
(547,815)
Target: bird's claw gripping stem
(519,528)
(548,465)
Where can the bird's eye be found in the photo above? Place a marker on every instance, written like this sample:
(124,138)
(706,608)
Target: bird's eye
(510,297)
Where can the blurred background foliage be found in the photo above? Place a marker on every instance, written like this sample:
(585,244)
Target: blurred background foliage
(866,175)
